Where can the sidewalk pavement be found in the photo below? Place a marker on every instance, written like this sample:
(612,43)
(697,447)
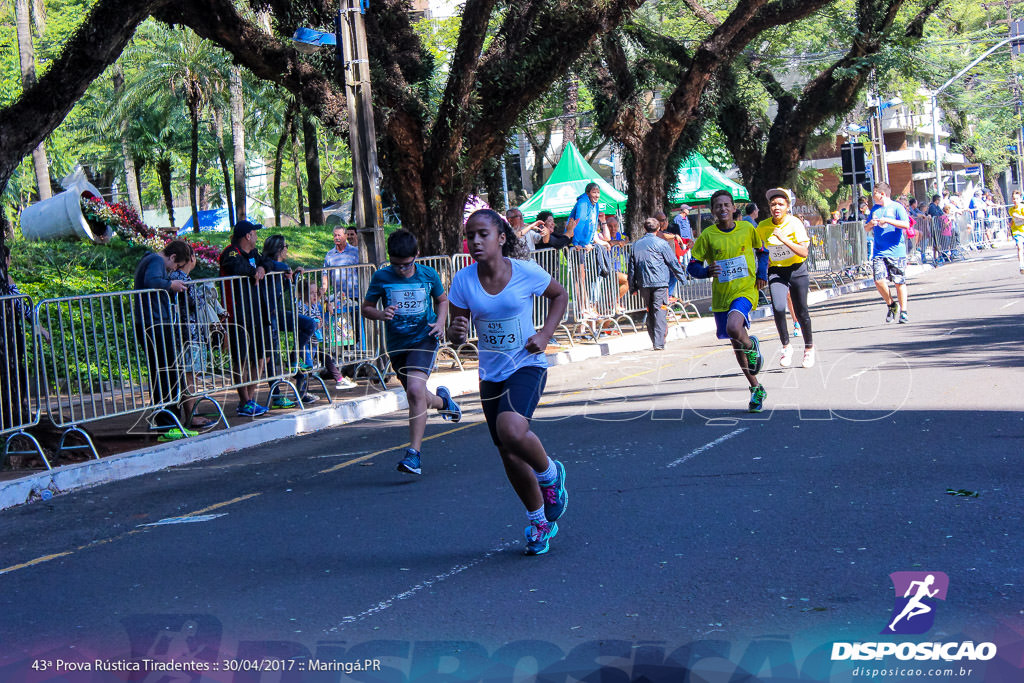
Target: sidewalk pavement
(262,431)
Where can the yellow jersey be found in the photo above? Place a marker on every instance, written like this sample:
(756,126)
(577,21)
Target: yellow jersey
(733,251)
(1017,219)
(779,254)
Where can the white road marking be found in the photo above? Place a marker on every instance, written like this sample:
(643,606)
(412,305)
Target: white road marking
(405,595)
(185,520)
(694,453)
(858,374)
(1010,304)
(338,455)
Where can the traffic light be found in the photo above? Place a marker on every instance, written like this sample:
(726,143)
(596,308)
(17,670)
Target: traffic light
(854,169)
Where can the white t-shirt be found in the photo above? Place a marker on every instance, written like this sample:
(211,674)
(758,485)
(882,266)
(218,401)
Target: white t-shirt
(503,321)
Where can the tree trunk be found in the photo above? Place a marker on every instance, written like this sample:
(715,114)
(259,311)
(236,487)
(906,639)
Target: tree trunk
(314,191)
(296,155)
(569,111)
(27,58)
(163,171)
(238,140)
(279,165)
(193,166)
(491,176)
(218,131)
(131,176)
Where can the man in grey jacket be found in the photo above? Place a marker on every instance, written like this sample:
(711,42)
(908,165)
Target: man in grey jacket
(650,262)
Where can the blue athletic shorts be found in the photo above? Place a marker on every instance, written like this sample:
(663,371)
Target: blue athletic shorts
(742,305)
(420,357)
(1018,238)
(518,393)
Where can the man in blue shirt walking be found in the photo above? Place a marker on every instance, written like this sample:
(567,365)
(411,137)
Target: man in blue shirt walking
(888,222)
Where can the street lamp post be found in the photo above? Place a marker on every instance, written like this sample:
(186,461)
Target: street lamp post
(935,106)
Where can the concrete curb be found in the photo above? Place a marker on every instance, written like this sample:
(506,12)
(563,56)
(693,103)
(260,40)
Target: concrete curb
(258,432)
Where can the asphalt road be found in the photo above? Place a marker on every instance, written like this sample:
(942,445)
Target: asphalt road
(698,537)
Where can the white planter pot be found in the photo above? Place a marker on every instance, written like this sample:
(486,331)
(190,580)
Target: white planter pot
(59,216)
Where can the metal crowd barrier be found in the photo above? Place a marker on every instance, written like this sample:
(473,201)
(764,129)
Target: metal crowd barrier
(19,376)
(981,226)
(837,252)
(945,239)
(106,356)
(348,338)
(238,332)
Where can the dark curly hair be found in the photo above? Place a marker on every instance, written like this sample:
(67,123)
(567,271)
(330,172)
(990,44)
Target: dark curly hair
(513,248)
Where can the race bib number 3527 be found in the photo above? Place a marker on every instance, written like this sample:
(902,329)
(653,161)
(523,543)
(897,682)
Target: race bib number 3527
(408,300)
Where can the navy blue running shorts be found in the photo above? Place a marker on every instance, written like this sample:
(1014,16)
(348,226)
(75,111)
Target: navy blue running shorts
(420,357)
(518,393)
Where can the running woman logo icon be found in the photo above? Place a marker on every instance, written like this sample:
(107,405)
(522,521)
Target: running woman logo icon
(917,594)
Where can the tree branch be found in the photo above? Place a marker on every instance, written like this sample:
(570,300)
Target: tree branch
(447,134)
(703,13)
(94,46)
(265,56)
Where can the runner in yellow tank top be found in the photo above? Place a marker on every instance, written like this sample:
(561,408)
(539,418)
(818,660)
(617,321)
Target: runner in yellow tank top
(787,242)
(1017,227)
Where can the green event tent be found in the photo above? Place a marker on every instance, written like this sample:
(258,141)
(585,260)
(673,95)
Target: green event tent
(567,181)
(698,180)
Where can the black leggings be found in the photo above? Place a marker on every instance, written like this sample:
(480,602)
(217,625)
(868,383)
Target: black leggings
(795,281)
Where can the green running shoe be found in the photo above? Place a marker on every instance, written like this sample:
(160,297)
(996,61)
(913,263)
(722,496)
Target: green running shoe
(755,361)
(757,396)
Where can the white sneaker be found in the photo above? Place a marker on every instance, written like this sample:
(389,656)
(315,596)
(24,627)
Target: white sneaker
(787,356)
(345,383)
(809,357)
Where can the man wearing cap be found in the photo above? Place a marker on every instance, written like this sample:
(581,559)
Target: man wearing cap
(888,222)
(249,315)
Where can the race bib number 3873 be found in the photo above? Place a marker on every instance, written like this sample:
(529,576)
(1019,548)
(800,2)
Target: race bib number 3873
(500,335)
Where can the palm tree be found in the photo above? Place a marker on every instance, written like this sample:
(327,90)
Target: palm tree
(27,57)
(178,62)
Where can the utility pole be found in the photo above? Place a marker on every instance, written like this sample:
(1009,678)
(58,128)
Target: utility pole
(368,213)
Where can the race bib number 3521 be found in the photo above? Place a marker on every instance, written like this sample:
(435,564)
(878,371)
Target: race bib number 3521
(733,269)
(500,335)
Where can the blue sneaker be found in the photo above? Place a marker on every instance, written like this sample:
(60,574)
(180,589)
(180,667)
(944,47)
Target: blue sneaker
(451,410)
(556,498)
(537,537)
(251,409)
(282,403)
(410,464)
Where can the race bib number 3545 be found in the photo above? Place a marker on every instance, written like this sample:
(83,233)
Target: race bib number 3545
(500,335)
(733,269)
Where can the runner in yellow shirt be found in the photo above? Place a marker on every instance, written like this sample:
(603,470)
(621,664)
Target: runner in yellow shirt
(1017,227)
(738,264)
(787,242)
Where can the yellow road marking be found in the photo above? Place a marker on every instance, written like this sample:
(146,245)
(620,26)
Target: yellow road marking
(104,541)
(38,560)
(361,458)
